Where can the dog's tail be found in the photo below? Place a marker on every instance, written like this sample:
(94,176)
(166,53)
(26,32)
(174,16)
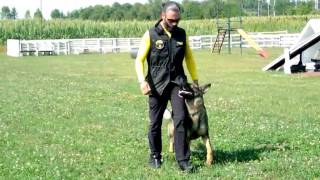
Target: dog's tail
(167,114)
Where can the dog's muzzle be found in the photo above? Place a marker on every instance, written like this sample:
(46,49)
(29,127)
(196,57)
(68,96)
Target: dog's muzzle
(186,94)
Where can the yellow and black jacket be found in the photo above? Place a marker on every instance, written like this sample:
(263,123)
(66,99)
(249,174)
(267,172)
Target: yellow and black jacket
(165,53)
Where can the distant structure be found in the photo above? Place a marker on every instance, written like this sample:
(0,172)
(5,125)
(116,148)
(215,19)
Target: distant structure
(225,27)
(302,56)
(316,4)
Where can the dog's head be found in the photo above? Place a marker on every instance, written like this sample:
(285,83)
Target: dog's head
(194,96)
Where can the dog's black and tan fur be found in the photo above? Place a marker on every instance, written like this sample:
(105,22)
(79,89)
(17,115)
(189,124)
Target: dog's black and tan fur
(198,126)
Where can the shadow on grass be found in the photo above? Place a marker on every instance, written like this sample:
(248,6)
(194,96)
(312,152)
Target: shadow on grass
(224,157)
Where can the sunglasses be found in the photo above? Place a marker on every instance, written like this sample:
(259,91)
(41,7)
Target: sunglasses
(171,21)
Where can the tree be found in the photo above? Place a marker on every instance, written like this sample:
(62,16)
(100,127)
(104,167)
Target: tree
(107,11)
(75,14)
(282,7)
(273,7)
(138,11)
(304,8)
(192,10)
(38,14)
(56,14)
(13,14)
(27,15)
(127,9)
(97,13)
(155,8)
(117,13)
(211,8)
(143,13)
(5,12)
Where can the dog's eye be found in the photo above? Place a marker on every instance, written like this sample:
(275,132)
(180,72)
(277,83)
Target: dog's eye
(197,94)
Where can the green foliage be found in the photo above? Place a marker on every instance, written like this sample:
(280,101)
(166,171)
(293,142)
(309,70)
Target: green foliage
(83,117)
(27,15)
(5,12)
(115,12)
(59,29)
(194,9)
(56,14)
(205,9)
(38,14)
(303,8)
(14,13)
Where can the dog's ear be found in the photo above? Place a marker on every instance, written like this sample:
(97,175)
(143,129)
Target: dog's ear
(205,88)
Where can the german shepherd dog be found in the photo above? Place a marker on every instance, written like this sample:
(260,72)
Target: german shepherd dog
(198,125)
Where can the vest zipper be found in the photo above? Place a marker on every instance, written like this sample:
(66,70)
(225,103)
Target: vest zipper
(170,57)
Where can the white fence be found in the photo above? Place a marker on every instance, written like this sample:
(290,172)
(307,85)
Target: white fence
(263,40)
(19,48)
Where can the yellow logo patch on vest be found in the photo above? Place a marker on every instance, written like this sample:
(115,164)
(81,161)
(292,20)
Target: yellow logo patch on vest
(179,43)
(159,44)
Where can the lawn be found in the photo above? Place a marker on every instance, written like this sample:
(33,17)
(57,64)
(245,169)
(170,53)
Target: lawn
(83,117)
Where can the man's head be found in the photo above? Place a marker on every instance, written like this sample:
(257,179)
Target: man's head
(170,15)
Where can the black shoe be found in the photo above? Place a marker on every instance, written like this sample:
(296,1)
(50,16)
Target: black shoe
(155,162)
(186,166)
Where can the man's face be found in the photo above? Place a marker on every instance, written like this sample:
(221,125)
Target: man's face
(171,19)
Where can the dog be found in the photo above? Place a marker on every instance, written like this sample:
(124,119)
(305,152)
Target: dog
(198,125)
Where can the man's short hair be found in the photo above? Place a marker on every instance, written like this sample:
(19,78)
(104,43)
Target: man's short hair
(170,5)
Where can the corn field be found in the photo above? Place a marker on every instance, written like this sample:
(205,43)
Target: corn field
(65,29)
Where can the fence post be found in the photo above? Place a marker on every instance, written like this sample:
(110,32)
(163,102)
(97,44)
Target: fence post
(58,48)
(68,47)
(129,45)
(99,45)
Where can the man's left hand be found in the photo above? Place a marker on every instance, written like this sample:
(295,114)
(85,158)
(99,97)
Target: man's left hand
(195,83)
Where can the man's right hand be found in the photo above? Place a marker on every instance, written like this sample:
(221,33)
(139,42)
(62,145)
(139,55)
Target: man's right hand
(145,88)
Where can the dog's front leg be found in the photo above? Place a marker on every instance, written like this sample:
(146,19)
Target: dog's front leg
(170,135)
(206,141)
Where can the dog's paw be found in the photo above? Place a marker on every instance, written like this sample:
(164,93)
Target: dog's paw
(209,162)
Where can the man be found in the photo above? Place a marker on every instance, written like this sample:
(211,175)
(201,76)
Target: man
(165,46)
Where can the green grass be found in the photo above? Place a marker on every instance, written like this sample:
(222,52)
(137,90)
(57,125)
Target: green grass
(82,117)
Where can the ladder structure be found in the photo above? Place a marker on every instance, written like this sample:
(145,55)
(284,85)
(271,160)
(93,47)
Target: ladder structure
(226,26)
(216,48)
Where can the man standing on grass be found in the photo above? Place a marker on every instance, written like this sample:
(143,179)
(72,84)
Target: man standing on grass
(165,46)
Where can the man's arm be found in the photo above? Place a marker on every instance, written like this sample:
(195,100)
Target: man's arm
(139,62)
(190,62)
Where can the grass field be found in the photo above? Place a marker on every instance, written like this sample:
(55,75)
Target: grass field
(82,117)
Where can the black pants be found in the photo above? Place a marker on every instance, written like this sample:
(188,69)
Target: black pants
(157,106)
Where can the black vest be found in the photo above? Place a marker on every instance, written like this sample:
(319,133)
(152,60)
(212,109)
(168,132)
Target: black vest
(165,58)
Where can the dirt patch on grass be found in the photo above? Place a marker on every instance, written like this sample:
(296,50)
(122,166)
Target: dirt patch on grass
(311,74)
(3,48)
